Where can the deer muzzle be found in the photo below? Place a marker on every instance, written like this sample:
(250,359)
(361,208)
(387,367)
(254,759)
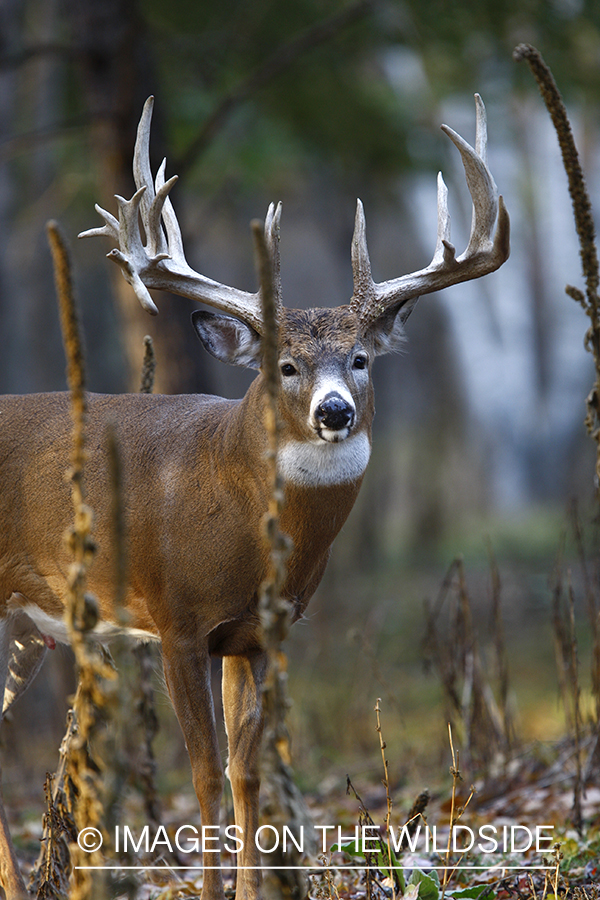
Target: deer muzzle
(334,417)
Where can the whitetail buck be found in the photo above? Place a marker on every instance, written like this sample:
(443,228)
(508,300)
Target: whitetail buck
(195,479)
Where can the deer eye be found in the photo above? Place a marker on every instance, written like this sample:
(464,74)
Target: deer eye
(288,369)
(360,362)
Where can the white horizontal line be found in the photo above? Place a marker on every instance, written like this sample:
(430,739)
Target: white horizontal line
(320,868)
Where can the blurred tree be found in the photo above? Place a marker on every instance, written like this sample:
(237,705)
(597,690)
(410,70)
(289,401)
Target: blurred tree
(327,101)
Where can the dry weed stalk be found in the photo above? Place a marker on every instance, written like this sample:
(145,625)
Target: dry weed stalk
(561,634)
(50,874)
(275,611)
(388,797)
(371,857)
(148,367)
(117,747)
(584,223)
(416,815)
(144,701)
(553,881)
(325,889)
(81,613)
(470,699)
(578,788)
(146,706)
(285,805)
(456,813)
(590,588)
(506,717)
(567,662)
(590,302)
(59,832)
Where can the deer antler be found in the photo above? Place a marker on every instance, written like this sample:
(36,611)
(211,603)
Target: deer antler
(160,263)
(484,253)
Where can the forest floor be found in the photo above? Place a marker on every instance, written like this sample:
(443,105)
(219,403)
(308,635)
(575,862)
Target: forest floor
(526,801)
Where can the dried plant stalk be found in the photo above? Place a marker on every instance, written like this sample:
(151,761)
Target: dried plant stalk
(584,223)
(506,719)
(148,367)
(285,805)
(118,776)
(388,796)
(118,525)
(50,874)
(145,704)
(81,613)
(590,587)
(456,812)
(275,611)
(470,700)
(567,663)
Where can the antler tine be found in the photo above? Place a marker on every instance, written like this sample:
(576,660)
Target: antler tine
(164,207)
(161,263)
(156,242)
(110,229)
(272,234)
(482,187)
(480,129)
(142,175)
(364,286)
(444,249)
(485,251)
(131,248)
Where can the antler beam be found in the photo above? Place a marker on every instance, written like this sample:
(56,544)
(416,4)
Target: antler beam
(485,251)
(160,263)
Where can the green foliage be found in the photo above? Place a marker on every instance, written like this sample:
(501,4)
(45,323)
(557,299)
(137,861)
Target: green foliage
(250,105)
(261,91)
(425,885)
(428,884)
(473,40)
(379,857)
(473,892)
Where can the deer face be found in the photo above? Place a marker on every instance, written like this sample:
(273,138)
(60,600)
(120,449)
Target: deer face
(325,366)
(326,396)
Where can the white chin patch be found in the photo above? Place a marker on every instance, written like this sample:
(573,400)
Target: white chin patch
(324,462)
(333,437)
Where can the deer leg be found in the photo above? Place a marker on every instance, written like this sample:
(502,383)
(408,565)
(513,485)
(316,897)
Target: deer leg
(187,670)
(243,677)
(10,875)
(27,651)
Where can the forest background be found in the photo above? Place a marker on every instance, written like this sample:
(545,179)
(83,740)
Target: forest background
(479,444)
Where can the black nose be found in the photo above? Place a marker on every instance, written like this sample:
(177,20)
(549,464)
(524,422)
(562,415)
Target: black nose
(334,413)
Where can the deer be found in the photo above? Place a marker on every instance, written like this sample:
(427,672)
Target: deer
(195,484)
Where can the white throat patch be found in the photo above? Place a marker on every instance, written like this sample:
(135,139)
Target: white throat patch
(321,463)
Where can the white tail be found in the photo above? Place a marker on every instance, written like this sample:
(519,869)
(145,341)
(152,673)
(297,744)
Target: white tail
(195,479)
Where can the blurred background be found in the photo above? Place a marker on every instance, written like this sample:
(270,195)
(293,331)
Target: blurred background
(479,445)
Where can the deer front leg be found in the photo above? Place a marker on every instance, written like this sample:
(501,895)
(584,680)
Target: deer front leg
(187,670)
(243,678)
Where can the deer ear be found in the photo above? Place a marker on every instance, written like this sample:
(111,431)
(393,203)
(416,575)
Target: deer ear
(228,339)
(387,331)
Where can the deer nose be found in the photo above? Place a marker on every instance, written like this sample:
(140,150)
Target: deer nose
(334,413)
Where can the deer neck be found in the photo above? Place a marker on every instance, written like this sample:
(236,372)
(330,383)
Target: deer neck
(321,483)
